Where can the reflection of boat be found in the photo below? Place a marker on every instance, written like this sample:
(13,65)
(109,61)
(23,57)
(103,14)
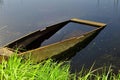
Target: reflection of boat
(31,42)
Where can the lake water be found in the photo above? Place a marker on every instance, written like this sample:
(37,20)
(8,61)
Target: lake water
(20,17)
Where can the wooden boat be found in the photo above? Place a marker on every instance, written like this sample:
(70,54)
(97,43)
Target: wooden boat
(32,41)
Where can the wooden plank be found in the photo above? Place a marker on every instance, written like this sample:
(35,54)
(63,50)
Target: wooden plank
(87,22)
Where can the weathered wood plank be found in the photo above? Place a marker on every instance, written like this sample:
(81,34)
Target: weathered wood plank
(87,22)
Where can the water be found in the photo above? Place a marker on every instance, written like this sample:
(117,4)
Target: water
(68,31)
(20,17)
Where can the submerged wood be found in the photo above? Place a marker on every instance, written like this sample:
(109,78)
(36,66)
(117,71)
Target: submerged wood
(32,41)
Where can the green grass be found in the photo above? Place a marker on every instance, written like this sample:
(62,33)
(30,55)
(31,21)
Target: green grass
(17,69)
(98,74)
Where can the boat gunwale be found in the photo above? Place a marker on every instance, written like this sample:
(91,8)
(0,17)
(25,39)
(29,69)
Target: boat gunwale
(74,20)
(83,35)
(99,28)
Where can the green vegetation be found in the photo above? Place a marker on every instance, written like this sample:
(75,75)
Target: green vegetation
(17,69)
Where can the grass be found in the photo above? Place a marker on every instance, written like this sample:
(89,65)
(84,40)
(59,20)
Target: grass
(17,69)
(98,74)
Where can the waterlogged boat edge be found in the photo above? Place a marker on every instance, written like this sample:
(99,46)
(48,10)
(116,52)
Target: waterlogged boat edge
(57,50)
(39,54)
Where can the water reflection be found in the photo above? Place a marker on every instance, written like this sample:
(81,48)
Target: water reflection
(98,2)
(116,2)
(1,3)
(109,60)
(116,5)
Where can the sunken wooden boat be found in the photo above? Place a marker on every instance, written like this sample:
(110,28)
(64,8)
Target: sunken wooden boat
(57,50)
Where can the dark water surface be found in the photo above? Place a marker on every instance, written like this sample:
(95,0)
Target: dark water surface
(20,17)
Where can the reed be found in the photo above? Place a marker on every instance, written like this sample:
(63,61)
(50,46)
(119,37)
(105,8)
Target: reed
(17,69)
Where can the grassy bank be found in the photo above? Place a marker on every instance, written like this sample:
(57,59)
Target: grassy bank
(16,69)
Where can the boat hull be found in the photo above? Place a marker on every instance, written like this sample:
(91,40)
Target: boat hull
(59,50)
